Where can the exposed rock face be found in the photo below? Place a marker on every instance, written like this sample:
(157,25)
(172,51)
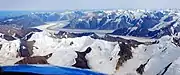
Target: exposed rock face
(7,37)
(176,41)
(28,36)
(0,46)
(81,61)
(26,48)
(71,43)
(12,33)
(124,53)
(140,69)
(107,37)
(64,34)
(35,60)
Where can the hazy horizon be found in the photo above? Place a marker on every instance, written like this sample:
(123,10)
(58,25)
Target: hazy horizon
(58,5)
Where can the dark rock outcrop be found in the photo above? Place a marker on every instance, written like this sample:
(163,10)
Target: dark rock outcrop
(26,48)
(165,69)
(35,60)
(0,46)
(12,33)
(124,53)
(71,43)
(28,36)
(81,61)
(64,34)
(140,69)
(107,37)
(176,41)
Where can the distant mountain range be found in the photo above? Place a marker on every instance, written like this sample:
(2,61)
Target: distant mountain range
(141,23)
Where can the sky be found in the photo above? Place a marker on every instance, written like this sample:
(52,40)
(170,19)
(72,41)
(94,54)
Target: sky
(86,4)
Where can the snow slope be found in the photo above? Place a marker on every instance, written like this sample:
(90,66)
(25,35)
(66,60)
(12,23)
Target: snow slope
(160,56)
(104,55)
(64,53)
(8,52)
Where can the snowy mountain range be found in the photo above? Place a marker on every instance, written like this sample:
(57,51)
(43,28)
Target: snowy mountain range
(143,42)
(140,23)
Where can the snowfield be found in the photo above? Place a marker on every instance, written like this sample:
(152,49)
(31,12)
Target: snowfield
(103,57)
(64,53)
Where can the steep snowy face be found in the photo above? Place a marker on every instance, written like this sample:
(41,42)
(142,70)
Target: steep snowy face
(158,62)
(9,48)
(14,44)
(153,59)
(9,51)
